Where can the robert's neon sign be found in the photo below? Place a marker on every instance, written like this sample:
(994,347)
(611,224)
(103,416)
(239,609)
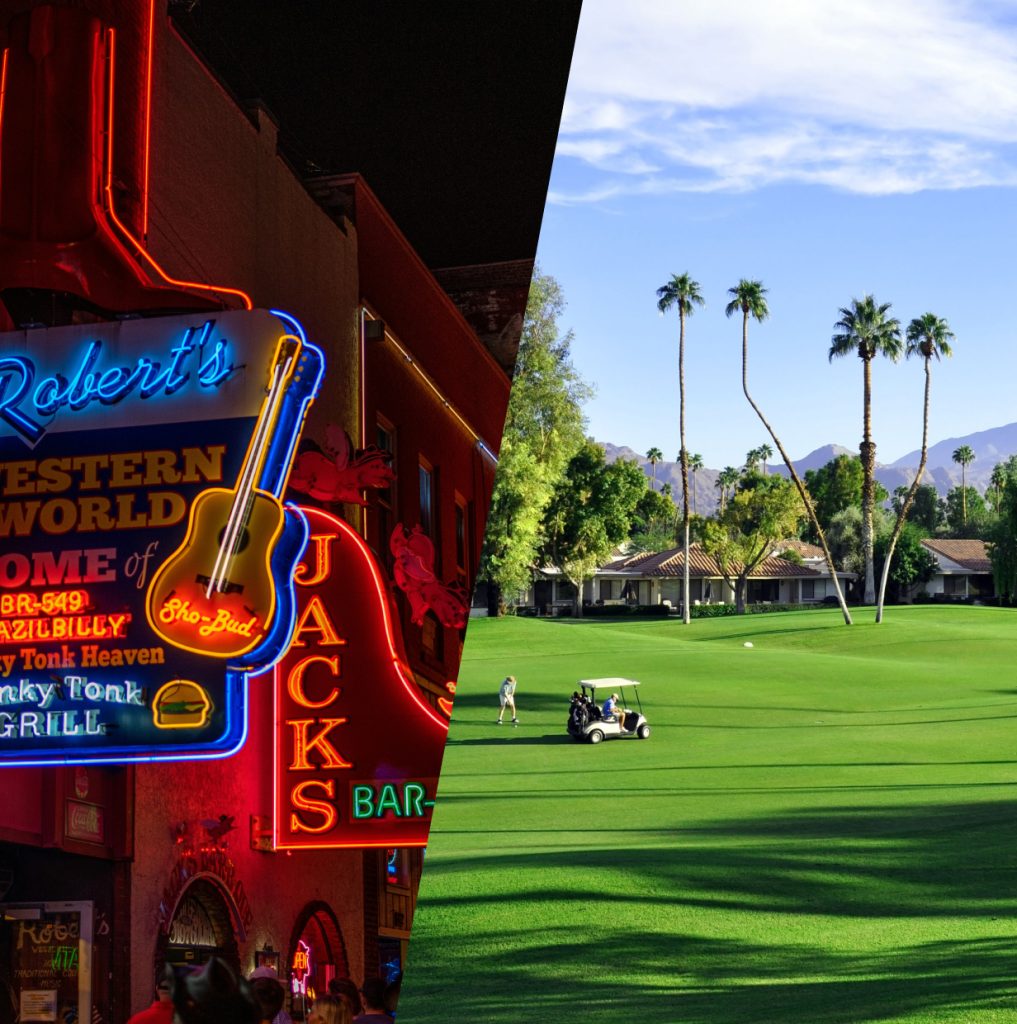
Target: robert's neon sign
(25,406)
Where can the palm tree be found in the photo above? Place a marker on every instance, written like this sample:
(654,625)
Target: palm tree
(727,478)
(748,297)
(867,330)
(751,458)
(695,464)
(655,455)
(998,482)
(682,292)
(765,452)
(928,336)
(964,455)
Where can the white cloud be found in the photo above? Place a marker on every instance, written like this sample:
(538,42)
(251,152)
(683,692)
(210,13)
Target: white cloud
(863,95)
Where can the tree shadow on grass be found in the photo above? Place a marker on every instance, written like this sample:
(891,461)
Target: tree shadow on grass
(512,737)
(634,975)
(873,871)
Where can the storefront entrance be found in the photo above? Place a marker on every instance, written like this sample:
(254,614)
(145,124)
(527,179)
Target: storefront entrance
(202,927)
(317,955)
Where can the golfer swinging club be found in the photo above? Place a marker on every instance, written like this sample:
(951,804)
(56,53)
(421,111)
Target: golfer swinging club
(507,699)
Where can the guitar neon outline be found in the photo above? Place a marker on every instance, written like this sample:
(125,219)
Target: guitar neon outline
(204,610)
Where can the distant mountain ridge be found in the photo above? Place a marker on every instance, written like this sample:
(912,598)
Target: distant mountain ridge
(990,447)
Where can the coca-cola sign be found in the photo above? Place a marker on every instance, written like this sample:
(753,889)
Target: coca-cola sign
(85,822)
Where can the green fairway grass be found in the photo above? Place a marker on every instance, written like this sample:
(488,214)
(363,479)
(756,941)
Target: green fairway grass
(822,828)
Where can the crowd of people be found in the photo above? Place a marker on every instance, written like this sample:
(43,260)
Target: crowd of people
(214,994)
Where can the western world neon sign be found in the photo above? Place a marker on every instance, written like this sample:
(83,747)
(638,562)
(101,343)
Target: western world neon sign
(149,553)
(358,749)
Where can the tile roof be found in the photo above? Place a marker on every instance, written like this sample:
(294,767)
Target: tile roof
(669,563)
(803,548)
(971,554)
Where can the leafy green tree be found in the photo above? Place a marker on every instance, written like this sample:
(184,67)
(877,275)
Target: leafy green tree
(866,330)
(910,562)
(749,298)
(967,515)
(928,336)
(591,511)
(964,456)
(926,510)
(654,508)
(654,455)
(838,485)
(754,521)
(1002,539)
(683,294)
(543,430)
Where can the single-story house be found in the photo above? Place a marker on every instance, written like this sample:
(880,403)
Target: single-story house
(963,569)
(656,578)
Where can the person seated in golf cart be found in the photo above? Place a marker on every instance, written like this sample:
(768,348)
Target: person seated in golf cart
(613,711)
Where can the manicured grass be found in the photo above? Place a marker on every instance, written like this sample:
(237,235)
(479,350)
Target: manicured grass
(820,829)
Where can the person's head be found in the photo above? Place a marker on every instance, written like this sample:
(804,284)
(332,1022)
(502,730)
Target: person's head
(510,679)
(329,1010)
(269,994)
(373,991)
(346,989)
(213,994)
(614,696)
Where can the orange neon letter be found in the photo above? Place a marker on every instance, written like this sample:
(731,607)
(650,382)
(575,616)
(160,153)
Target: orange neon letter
(305,803)
(322,547)
(322,624)
(303,744)
(295,681)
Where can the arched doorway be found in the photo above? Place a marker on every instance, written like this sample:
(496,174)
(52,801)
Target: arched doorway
(204,924)
(317,954)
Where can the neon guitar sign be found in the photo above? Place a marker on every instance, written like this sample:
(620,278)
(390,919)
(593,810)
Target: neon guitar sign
(216,594)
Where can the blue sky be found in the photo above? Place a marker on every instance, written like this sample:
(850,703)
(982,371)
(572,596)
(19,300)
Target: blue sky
(827,148)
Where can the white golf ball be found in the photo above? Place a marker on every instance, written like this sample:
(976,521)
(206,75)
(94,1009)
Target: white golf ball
(748,643)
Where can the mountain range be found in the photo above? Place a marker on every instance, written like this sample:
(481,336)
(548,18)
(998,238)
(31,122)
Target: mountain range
(990,447)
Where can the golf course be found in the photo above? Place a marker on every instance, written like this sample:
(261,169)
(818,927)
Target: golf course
(822,827)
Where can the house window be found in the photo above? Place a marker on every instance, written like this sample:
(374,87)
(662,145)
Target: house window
(606,593)
(954,585)
(808,590)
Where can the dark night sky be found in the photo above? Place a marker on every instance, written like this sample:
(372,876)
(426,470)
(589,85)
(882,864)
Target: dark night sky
(449,108)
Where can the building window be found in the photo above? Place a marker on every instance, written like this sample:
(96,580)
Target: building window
(605,590)
(808,590)
(432,637)
(428,502)
(385,508)
(463,539)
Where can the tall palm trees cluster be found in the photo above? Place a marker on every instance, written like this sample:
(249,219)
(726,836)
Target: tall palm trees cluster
(865,329)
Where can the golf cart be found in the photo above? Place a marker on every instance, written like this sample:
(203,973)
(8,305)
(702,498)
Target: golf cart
(586,715)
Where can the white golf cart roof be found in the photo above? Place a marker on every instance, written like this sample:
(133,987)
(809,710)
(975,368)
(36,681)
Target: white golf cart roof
(607,684)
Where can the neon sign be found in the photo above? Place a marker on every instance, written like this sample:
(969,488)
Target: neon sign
(358,749)
(301,968)
(86,384)
(97,512)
